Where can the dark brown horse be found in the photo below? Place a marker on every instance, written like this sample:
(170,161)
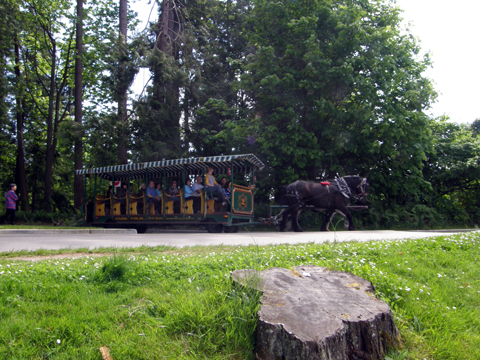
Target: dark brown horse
(332,196)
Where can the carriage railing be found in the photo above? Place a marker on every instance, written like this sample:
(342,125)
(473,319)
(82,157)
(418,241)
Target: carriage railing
(241,187)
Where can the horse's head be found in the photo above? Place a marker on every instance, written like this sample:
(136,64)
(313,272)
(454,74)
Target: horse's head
(359,187)
(362,191)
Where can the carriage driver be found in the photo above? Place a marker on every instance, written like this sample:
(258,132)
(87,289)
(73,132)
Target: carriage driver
(212,186)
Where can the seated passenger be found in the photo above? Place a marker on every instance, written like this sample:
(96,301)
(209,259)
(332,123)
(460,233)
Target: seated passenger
(224,185)
(191,194)
(173,192)
(212,186)
(198,185)
(141,195)
(153,197)
(122,198)
(159,190)
(108,199)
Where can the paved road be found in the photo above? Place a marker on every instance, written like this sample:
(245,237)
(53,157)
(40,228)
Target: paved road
(30,240)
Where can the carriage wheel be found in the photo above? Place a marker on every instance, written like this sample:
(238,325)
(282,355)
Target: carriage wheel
(335,219)
(214,228)
(141,229)
(231,229)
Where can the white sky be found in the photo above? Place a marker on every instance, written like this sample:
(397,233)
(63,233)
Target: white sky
(448,30)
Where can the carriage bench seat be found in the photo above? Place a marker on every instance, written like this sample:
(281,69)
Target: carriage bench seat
(210,206)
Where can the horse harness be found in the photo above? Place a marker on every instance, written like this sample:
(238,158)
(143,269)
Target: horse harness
(362,188)
(294,192)
(343,187)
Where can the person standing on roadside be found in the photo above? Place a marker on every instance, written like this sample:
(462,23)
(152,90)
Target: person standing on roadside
(10,205)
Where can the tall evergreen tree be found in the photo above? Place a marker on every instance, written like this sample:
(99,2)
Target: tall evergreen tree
(122,91)
(48,67)
(215,97)
(157,123)
(78,180)
(20,169)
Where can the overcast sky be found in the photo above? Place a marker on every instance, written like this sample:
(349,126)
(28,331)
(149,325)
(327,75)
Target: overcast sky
(448,30)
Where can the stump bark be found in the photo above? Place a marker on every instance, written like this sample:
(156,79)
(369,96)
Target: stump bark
(312,313)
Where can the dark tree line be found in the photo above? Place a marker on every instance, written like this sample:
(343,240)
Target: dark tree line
(315,89)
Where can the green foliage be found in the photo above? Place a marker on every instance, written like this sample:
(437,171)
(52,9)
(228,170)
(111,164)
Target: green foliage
(335,88)
(329,94)
(43,217)
(156,133)
(327,88)
(453,171)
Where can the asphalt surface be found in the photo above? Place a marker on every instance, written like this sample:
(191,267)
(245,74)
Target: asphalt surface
(14,240)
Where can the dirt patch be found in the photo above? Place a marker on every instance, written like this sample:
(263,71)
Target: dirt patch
(76,255)
(57,256)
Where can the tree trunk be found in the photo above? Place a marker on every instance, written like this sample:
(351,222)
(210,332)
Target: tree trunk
(50,148)
(122,98)
(310,312)
(164,40)
(20,172)
(78,181)
(167,96)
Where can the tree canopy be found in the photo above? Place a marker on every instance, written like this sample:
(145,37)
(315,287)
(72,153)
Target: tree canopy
(316,89)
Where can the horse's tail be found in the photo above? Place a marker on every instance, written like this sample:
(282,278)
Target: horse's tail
(280,196)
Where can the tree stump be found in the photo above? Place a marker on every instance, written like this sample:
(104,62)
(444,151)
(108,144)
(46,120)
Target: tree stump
(310,312)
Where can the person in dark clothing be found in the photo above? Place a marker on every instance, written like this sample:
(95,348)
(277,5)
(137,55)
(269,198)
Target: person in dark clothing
(173,192)
(107,201)
(122,198)
(141,194)
(224,185)
(10,205)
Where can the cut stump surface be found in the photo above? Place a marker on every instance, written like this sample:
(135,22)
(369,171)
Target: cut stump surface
(309,312)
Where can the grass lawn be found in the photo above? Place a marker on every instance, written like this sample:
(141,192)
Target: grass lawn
(168,303)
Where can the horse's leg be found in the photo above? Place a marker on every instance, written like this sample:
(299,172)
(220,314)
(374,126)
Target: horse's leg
(346,214)
(283,223)
(328,218)
(288,224)
(295,215)
(345,218)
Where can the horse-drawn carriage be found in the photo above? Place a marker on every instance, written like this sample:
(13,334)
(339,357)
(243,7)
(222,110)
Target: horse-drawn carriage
(135,209)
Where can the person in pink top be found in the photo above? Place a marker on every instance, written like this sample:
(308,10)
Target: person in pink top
(10,205)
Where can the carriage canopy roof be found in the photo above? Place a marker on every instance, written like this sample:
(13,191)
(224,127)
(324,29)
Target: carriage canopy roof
(192,166)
